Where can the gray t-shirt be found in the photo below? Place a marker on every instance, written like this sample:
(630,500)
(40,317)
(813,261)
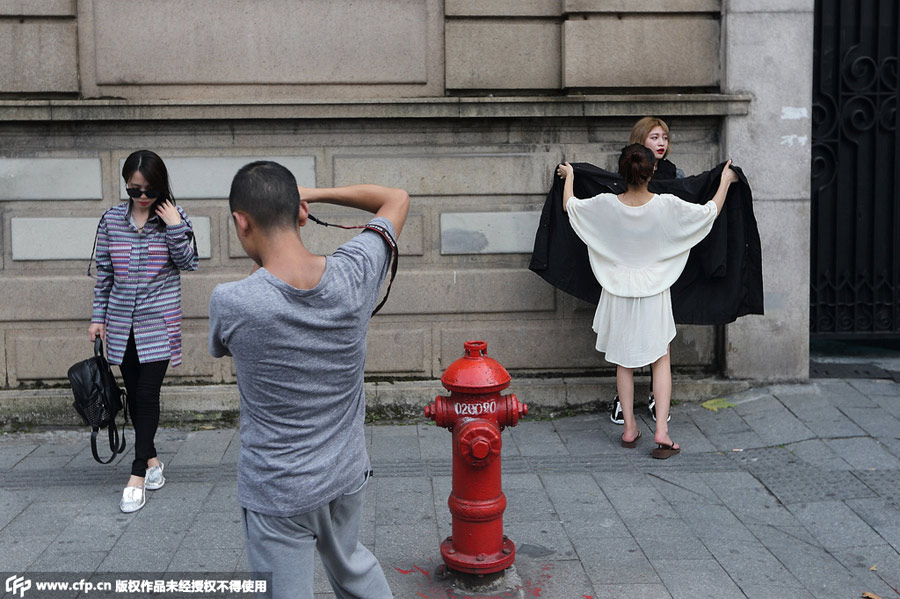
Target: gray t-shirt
(299,356)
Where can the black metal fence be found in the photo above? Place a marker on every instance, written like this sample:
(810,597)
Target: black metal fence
(855,242)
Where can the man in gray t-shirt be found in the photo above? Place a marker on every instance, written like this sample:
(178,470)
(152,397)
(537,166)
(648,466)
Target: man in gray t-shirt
(296,328)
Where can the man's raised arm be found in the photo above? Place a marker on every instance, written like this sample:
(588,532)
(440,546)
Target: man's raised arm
(387,202)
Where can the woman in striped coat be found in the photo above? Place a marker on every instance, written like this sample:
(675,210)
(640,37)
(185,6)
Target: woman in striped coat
(142,245)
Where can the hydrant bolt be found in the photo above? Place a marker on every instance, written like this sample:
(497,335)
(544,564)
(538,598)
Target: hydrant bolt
(481,448)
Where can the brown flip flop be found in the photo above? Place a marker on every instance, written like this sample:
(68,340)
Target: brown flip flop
(633,443)
(664,452)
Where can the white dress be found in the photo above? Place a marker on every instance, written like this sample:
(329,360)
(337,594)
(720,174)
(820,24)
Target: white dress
(637,253)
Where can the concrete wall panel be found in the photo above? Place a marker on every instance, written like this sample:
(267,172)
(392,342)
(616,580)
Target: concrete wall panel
(52,238)
(209,177)
(50,179)
(488,232)
(642,52)
(502,54)
(73,238)
(38,55)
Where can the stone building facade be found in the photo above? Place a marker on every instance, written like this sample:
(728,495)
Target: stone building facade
(467,104)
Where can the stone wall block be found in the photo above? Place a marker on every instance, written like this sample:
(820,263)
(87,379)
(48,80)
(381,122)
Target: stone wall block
(769,55)
(42,355)
(502,8)
(4,379)
(467,292)
(735,6)
(451,174)
(325,240)
(546,345)
(197,363)
(38,55)
(222,42)
(775,139)
(641,52)
(43,8)
(395,347)
(651,6)
(502,54)
(776,346)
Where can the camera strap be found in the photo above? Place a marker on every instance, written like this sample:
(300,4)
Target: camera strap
(388,238)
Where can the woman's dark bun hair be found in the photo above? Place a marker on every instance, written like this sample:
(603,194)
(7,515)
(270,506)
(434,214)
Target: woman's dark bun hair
(636,164)
(154,170)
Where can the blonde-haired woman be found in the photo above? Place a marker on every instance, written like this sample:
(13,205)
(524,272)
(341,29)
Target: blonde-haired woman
(653,133)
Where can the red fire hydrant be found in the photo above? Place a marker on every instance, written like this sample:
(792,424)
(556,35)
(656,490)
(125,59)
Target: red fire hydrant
(476,413)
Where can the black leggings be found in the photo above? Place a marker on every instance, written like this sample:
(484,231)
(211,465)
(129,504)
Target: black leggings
(142,382)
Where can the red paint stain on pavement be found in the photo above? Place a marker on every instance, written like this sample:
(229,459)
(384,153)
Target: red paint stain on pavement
(424,573)
(403,571)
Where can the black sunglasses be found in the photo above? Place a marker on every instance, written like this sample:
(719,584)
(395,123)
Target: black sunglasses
(134,192)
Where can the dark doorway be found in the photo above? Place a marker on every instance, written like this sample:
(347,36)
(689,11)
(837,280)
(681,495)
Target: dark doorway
(855,238)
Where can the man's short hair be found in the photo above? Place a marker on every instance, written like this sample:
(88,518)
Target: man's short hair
(268,193)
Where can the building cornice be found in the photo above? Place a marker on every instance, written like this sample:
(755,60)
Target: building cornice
(621,105)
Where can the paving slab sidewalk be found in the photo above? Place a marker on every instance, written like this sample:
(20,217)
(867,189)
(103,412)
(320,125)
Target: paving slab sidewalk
(794,492)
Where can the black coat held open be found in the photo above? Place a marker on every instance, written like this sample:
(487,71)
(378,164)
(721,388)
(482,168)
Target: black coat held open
(723,276)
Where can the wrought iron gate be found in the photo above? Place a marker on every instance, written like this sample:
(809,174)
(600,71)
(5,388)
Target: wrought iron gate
(855,249)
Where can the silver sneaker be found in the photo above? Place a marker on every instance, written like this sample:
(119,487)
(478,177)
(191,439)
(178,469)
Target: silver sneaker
(133,499)
(154,478)
(616,414)
(653,410)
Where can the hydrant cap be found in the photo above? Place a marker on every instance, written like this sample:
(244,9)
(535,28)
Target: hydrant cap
(475,372)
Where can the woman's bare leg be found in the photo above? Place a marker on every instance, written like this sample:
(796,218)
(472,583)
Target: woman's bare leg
(625,387)
(662,392)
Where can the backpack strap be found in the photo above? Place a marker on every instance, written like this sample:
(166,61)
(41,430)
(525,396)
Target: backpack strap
(388,238)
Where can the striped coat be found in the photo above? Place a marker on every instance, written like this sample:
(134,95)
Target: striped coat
(139,286)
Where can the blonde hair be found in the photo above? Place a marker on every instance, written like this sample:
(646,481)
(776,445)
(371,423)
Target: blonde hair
(642,129)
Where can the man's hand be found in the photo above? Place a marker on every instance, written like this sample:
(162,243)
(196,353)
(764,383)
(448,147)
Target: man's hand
(169,213)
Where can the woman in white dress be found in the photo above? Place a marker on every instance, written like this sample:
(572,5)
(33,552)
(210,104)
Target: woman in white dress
(638,244)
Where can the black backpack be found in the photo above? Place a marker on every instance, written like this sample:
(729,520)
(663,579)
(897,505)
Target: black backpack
(98,399)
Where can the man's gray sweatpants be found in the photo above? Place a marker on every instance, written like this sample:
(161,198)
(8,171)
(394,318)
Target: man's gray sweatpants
(285,547)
